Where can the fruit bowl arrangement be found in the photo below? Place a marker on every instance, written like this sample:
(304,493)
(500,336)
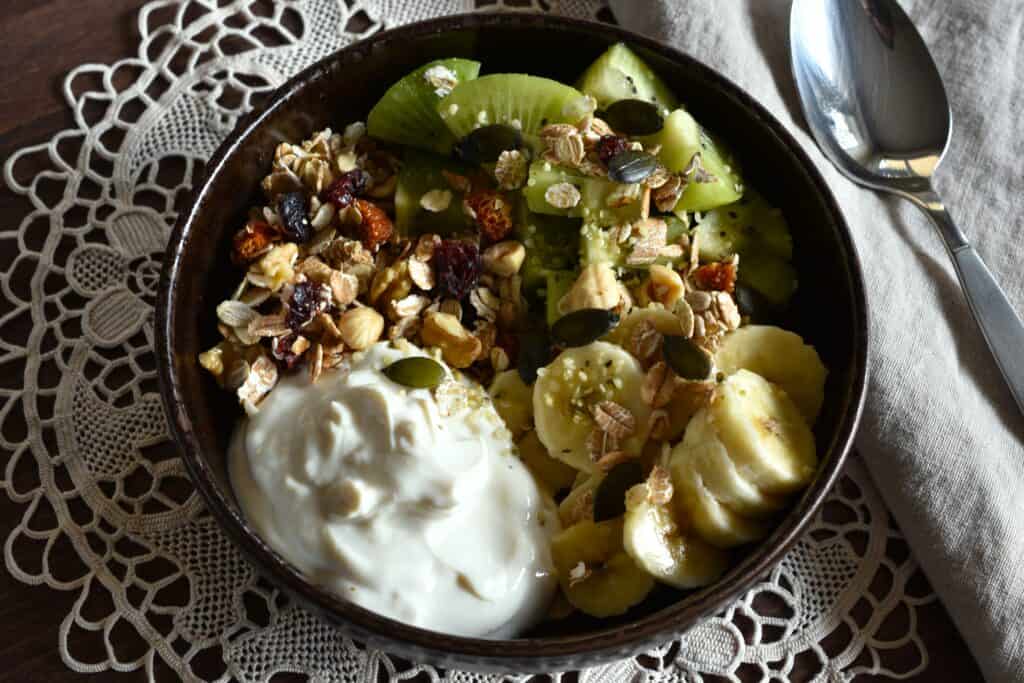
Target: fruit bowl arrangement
(593,255)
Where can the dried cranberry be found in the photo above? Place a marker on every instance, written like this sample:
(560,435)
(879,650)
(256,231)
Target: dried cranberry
(458,267)
(281,349)
(308,300)
(294,210)
(611,145)
(350,185)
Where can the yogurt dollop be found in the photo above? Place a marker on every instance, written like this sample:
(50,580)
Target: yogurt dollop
(412,506)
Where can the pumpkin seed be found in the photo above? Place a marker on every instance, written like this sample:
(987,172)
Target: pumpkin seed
(581,327)
(634,117)
(485,144)
(534,353)
(753,304)
(610,494)
(417,372)
(686,359)
(631,166)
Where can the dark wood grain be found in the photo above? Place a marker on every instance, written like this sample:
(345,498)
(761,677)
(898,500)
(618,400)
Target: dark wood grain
(43,40)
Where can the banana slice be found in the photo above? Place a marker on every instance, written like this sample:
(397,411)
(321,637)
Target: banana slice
(780,357)
(567,390)
(764,433)
(710,519)
(654,540)
(553,475)
(513,400)
(702,451)
(596,574)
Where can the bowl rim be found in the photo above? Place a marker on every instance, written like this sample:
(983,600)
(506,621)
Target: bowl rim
(535,654)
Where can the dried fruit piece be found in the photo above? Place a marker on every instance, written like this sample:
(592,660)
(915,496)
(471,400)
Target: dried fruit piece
(252,241)
(720,276)
(294,209)
(492,212)
(418,372)
(343,191)
(457,268)
(375,227)
(609,146)
(308,300)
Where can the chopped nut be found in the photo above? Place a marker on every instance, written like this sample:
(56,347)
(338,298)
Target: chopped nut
(699,301)
(499,359)
(361,327)
(614,419)
(452,307)
(596,287)
(659,385)
(408,306)
(504,259)
(390,283)
(458,346)
(698,327)
(485,303)
(436,201)
(511,170)
(262,378)
(664,286)
(562,195)
(314,269)
(316,362)
(275,268)
(406,328)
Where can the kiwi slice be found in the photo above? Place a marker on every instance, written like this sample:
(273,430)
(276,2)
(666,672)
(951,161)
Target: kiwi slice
(596,195)
(620,74)
(770,276)
(680,139)
(407,113)
(749,227)
(421,173)
(524,102)
(552,243)
(558,284)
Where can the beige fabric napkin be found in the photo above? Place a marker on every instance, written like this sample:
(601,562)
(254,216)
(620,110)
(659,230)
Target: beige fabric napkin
(941,434)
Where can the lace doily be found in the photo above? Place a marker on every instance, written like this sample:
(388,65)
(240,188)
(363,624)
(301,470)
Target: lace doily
(106,481)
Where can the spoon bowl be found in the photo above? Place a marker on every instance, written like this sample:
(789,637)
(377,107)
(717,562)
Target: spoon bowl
(875,103)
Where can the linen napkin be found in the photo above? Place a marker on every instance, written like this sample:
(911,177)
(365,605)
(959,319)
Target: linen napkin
(941,434)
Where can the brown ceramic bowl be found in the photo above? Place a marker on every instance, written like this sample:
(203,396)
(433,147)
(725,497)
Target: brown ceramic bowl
(829,309)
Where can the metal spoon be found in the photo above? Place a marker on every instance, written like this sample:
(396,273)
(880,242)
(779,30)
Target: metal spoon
(875,104)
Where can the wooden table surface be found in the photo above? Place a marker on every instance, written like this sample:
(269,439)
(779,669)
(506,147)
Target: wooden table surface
(43,40)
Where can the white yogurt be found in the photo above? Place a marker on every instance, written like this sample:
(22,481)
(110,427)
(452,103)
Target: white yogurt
(411,506)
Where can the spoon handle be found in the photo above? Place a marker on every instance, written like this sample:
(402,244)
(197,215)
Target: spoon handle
(999,323)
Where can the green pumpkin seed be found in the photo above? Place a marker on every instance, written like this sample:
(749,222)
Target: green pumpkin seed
(754,305)
(581,327)
(610,494)
(417,372)
(534,353)
(686,359)
(634,117)
(485,144)
(631,166)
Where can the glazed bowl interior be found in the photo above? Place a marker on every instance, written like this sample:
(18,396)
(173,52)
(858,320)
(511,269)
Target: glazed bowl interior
(828,310)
